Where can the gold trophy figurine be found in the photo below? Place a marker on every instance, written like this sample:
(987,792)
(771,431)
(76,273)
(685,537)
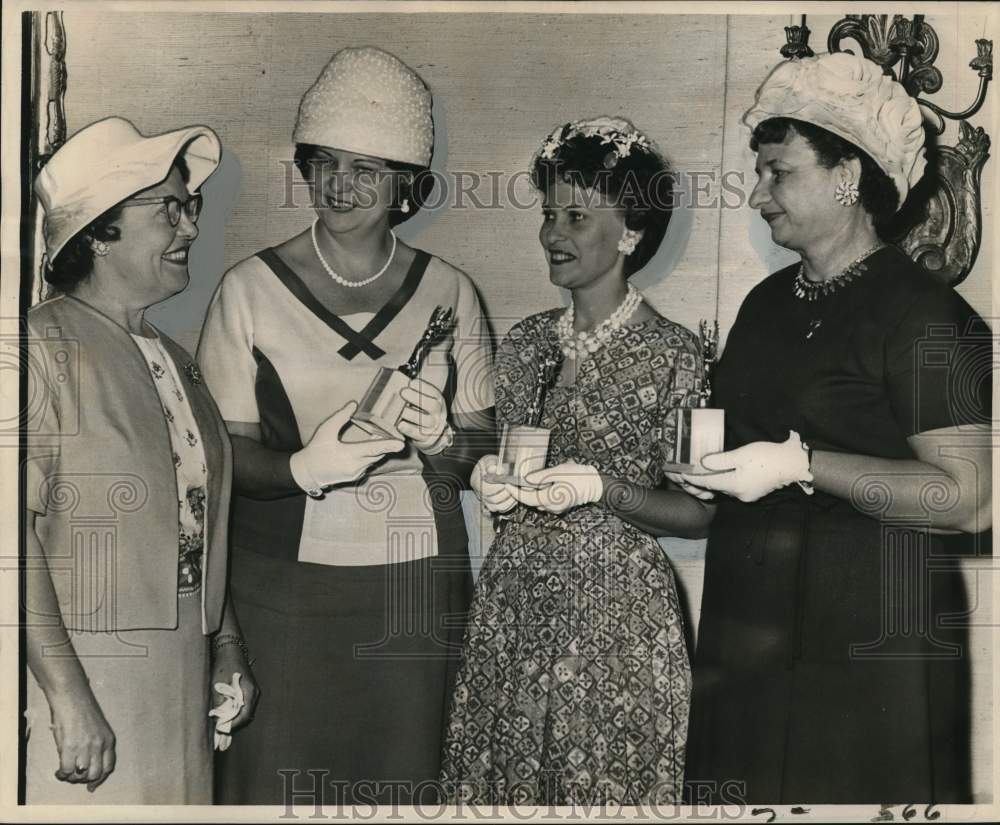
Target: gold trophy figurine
(701,430)
(525,447)
(381,406)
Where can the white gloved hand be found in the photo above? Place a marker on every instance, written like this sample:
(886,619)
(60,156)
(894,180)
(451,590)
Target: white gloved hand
(228,710)
(758,468)
(425,417)
(326,460)
(495,497)
(566,486)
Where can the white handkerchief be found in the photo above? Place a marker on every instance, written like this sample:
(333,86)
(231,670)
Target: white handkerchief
(228,710)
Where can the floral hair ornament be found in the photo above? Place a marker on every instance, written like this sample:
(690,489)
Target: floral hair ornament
(618,133)
(850,96)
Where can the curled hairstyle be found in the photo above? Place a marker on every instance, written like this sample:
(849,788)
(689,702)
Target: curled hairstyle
(410,182)
(877,193)
(75,261)
(641,184)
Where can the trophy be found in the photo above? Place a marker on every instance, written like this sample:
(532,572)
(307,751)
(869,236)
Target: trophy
(381,406)
(524,447)
(700,430)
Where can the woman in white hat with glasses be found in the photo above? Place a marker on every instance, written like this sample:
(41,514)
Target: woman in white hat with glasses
(857,398)
(351,567)
(127,487)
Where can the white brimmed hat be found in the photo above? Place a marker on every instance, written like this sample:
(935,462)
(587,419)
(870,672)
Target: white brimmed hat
(850,96)
(369,102)
(106,162)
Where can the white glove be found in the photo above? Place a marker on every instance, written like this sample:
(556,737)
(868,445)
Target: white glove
(758,469)
(326,460)
(425,417)
(495,497)
(227,711)
(567,485)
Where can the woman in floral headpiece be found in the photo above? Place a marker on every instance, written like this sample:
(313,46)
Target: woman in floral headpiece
(574,683)
(857,426)
(351,552)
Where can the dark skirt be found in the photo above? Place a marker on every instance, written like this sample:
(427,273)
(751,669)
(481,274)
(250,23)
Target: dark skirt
(355,667)
(823,671)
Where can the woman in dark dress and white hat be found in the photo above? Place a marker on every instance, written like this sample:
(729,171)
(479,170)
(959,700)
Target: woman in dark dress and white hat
(351,561)
(823,671)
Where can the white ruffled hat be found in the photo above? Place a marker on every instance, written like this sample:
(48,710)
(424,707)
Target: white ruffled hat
(369,102)
(850,96)
(106,162)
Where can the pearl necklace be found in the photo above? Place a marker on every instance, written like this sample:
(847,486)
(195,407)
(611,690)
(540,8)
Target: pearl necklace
(343,281)
(580,344)
(812,290)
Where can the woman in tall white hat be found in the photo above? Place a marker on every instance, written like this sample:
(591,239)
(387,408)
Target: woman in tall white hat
(857,398)
(127,487)
(351,562)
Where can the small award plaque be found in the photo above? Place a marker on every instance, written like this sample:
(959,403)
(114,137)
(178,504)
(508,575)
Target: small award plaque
(381,406)
(700,431)
(525,447)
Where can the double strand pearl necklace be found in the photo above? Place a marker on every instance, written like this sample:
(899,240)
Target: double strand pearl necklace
(579,344)
(343,281)
(813,290)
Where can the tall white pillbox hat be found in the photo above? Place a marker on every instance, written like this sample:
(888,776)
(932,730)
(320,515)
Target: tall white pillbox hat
(108,161)
(369,102)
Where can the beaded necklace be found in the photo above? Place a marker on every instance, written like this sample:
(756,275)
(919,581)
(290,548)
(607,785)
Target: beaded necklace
(339,278)
(574,344)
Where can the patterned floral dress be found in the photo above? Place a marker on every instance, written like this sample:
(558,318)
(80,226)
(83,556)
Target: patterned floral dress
(575,684)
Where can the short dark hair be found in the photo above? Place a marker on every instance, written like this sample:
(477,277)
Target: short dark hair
(411,182)
(641,183)
(75,261)
(878,194)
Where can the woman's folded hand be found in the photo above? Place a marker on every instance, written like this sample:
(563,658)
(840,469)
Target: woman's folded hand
(495,497)
(560,488)
(326,460)
(425,418)
(84,739)
(756,469)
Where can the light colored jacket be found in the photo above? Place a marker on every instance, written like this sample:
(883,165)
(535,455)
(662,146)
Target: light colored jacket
(100,473)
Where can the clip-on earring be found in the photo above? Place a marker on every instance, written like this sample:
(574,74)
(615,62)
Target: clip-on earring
(629,241)
(847,193)
(100,248)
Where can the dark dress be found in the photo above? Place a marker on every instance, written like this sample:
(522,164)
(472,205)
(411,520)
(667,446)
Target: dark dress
(823,673)
(575,682)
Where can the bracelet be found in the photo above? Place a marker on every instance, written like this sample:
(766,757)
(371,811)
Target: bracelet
(807,486)
(225,639)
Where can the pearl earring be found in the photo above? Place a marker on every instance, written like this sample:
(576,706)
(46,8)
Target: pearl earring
(404,207)
(847,193)
(628,242)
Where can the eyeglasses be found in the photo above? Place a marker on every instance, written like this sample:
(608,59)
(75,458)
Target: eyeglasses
(191,207)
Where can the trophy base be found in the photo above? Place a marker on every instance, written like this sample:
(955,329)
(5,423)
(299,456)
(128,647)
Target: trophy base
(523,450)
(700,431)
(510,478)
(381,406)
(693,469)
